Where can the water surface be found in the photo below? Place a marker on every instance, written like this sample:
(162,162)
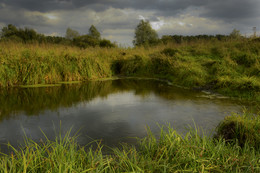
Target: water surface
(112,110)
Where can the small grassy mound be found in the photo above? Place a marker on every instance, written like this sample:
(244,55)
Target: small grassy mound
(241,129)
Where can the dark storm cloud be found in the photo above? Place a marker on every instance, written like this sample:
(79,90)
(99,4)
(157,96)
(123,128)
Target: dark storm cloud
(224,9)
(232,9)
(38,5)
(49,5)
(20,17)
(121,16)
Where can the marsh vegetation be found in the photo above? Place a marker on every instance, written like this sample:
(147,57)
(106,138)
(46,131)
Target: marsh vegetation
(231,68)
(172,152)
(229,65)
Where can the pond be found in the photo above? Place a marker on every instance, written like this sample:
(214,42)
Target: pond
(111,110)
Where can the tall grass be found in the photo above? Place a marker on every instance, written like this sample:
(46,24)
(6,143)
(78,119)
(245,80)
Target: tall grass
(241,129)
(230,67)
(171,152)
(27,64)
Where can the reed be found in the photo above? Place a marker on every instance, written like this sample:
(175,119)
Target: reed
(229,67)
(170,152)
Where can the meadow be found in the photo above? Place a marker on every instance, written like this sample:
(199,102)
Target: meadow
(231,68)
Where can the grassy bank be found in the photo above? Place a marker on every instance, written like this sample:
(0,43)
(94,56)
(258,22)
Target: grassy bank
(241,130)
(231,67)
(171,152)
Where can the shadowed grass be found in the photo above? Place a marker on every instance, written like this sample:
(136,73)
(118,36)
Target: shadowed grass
(241,129)
(171,152)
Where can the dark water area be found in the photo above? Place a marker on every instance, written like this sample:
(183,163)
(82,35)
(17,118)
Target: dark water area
(112,110)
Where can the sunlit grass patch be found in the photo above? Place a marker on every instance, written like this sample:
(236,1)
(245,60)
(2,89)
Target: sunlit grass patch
(39,85)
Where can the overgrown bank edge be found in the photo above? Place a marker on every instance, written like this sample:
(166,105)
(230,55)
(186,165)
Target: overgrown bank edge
(231,68)
(171,152)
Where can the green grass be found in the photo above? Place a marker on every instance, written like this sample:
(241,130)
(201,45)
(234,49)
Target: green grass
(241,129)
(40,85)
(231,68)
(170,152)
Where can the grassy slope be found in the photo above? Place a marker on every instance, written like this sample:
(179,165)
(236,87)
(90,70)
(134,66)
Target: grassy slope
(231,68)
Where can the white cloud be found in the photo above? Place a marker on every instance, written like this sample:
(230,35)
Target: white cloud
(181,23)
(158,24)
(51,16)
(193,25)
(140,17)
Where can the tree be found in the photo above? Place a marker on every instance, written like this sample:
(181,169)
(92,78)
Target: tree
(144,34)
(85,41)
(28,34)
(235,34)
(106,43)
(70,34)
(93,32)
(18,34)
(9,31)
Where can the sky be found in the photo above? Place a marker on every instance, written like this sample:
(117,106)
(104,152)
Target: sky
(117,19)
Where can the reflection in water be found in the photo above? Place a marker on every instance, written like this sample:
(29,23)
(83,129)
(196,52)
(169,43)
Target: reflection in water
(109,110)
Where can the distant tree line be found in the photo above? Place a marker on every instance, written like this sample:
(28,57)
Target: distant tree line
(234,35)
(27,35)
(92,39)
(180,38)
(146,36)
